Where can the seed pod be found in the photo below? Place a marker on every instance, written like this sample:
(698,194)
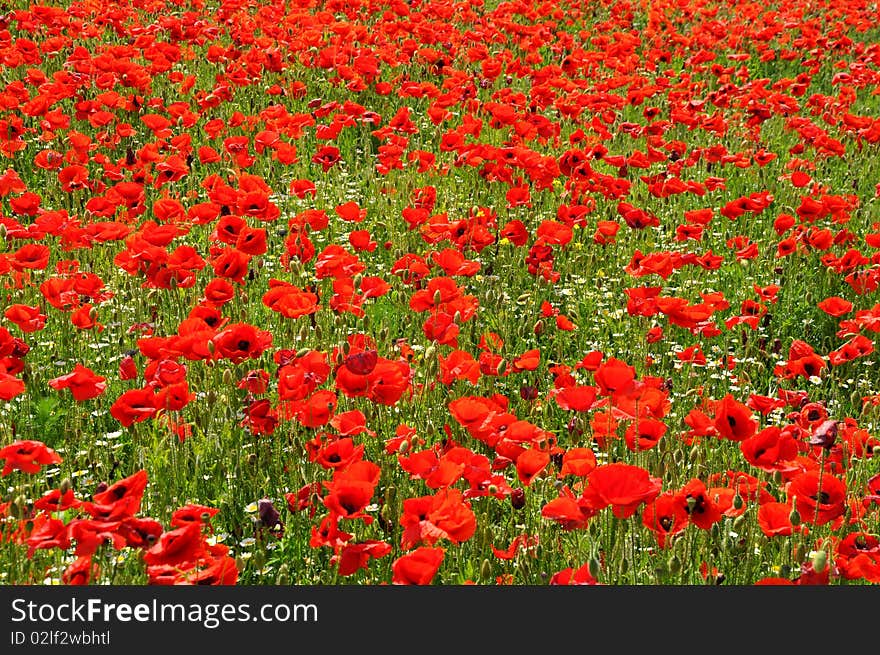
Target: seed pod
(390,494)
(819,559)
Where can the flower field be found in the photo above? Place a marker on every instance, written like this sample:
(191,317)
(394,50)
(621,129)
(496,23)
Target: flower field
(439,292)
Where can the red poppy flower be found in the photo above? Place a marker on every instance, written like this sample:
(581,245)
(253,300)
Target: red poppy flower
(818,501)
(240,341)
(578,461)
(858,557)
(27,456)
(835,306)
(27,318)
(82,382)
(418,567)
(571,576)
(774,519)
(47,533)
(644,434)
(10,386)
(530,463)
(175,547)
(56,501)
(82,571)
(351,490)
(120,500)
(353,557)
(134,406)
(613,376)
(192,513)
(445,515)
(771,449)
(702,509)
(623,486)
(666,516)
(733,420)
(578,398)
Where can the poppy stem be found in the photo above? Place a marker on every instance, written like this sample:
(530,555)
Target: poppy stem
(819,487)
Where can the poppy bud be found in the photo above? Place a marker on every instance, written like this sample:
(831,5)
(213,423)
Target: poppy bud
(317,332)
(538,329)
(518,498)
(404,447)
(777,476)
(528,392)
(493,489)
(594,567)
(660,569)
(227,377)
(794,518)
(486,569)
(283,577)
(678,456)
(502,365)
(674,565)
(437,297)
(799,553)
(738,502)
(825,434)
(390,494)
(819,559)
(366,321)
(18,507)
(65,486)
(875,451)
